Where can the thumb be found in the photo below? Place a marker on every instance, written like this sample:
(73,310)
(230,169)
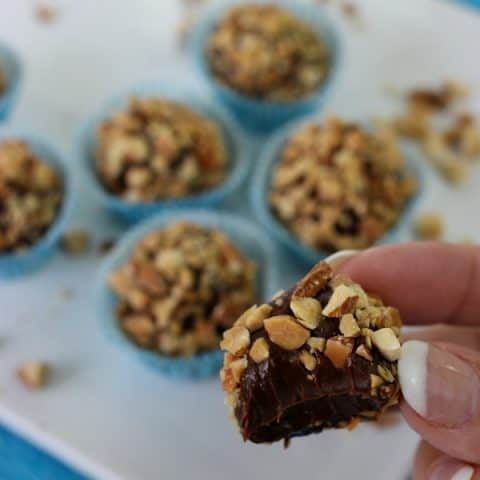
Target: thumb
(440,383)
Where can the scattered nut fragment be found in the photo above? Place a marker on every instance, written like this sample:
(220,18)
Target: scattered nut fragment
(375,381)
(385,373)
(33,374)
(285,332)
(278,294)
(364,352)
(308,360)
(254,318)
(238,367)
(140,327)
(307,310)
(76,242)
(352,14)
(387,343)
(318,343)
(349,326)
(106,246)
(337,350)
(228,381)
(367,333)
(259,350)
(342,301)
(66,293)
(314,281)
(236,340)
(463,136)
(45,13)
(429,226)
(353,423)
(449,150)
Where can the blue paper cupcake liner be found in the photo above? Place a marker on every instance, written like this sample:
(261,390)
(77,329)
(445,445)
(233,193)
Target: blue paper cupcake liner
(237,148)
(16,264)
(10,62)
(259,115)
(250,240)
(262,180)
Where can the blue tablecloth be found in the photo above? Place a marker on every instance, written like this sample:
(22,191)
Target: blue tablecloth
(20,460)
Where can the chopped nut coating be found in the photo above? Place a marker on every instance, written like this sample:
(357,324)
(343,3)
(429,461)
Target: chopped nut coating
(307,310)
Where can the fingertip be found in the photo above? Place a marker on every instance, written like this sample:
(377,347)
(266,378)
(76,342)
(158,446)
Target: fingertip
(434,276)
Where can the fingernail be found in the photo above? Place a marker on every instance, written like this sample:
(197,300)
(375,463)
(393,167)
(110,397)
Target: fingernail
(336,260)
(438,385)
(449,469)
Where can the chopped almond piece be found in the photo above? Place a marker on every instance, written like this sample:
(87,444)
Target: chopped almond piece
(387,343)
(255,316)
(338,350)
(314,281)
(375,380)
(342,301)
(349,326)
(259,350)
(236,340)
(308,360)
(285,332)
(318,343)
(238,367)
(364,352)
(307,310)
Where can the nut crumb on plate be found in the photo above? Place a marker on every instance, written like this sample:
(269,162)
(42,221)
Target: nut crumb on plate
(33,374)
(429,226)
(76,242)
(44,12)
(105,246)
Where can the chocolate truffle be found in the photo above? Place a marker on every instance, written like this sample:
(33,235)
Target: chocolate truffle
(321,355)
(31,194)
(266,52)
(181,287)
(159,149)
(337,186)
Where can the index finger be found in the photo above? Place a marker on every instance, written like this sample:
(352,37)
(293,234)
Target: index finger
(428,282)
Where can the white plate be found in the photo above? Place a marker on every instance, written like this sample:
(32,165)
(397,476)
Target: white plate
(108,415)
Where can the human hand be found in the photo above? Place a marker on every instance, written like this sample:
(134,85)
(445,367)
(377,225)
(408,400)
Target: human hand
(434,283)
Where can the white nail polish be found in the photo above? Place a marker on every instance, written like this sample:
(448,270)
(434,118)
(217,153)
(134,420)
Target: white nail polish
(337,259)
(465,473)
(412,372)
